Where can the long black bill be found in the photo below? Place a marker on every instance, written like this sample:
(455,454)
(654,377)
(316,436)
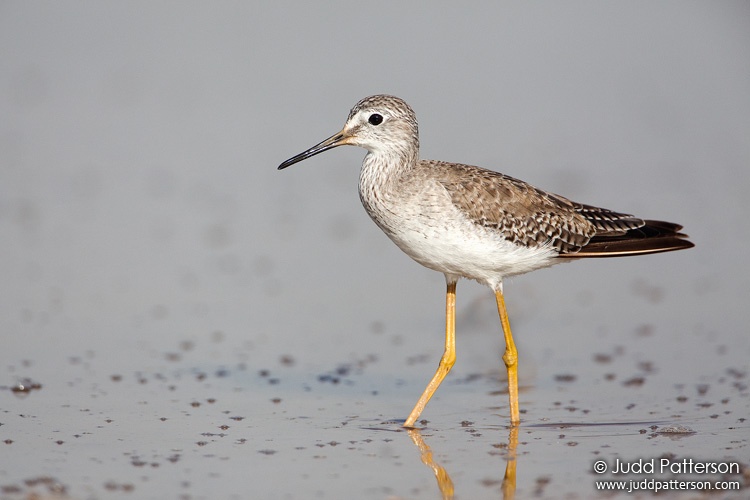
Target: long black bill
(330,143)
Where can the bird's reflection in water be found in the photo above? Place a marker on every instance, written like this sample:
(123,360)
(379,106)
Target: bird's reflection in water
(445,484)
(509,480)
(443,479)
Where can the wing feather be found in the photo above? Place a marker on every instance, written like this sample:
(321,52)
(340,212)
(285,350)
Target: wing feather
(531,217)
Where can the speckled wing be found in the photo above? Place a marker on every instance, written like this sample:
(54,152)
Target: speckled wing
(521,213)
(530,217)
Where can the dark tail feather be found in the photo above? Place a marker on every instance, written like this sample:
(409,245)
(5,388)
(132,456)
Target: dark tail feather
(653,237)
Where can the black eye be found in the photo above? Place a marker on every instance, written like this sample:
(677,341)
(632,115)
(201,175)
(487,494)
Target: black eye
(375,119)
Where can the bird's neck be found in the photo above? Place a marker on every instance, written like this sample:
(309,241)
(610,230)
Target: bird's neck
(381,176)
(382,167)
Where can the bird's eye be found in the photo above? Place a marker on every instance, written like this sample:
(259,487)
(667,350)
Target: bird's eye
(375,119)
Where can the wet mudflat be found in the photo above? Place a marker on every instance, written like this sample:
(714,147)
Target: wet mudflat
(215,417)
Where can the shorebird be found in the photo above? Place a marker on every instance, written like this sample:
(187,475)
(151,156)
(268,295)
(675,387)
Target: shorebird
(470,222)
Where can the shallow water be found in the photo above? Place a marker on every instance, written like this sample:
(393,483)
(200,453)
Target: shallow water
(213,416)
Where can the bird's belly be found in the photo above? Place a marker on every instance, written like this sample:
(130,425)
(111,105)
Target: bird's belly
(457,246)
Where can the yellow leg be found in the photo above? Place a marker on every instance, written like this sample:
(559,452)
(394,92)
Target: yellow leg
(448,359)
(510,358)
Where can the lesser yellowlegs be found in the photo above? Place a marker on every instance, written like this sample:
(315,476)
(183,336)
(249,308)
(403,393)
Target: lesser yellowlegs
(469,222)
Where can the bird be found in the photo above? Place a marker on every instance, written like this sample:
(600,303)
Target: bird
(474,223)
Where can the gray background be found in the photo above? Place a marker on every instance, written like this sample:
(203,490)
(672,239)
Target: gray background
(147,237)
